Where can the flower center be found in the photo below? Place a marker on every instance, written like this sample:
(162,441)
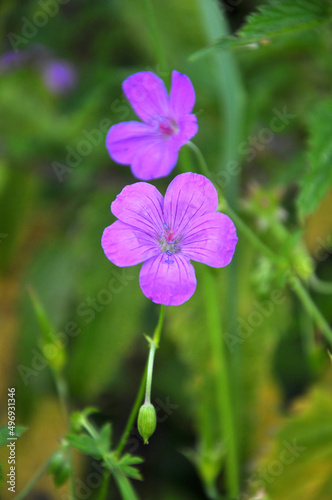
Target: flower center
(164,125)
(168,244)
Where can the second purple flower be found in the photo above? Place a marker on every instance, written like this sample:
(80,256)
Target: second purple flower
(151,147)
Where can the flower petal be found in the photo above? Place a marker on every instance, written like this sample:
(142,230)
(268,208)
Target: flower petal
(156,160)
(187,129)
(141,206)
(147,94)
(210,239)
(168,280)
(182,96)
(126,246)
(124,140)
(188,195)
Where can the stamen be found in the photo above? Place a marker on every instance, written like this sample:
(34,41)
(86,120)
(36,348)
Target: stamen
(164,125)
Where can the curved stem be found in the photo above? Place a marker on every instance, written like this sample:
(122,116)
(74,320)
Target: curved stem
(144,383)
(311,307)
(150,372)
(154,344)
(319,285)
(242,226)
(251,236)
(201,160)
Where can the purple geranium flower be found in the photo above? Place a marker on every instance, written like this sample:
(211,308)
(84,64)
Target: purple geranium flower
(152,147)
(166,233)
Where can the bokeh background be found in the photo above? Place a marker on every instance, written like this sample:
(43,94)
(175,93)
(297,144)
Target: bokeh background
(60,91)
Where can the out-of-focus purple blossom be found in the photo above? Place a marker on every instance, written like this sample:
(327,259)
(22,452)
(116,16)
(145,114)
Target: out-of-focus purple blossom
(59,76)
(167,233)
(12,60)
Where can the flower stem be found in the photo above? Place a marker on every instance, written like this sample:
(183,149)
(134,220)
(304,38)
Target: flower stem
(152,352)
(251,236)
(143,385)
(319,285)
(102,493)
(154,344)
(311,307)
(201,160)
(222,383)
(157,332)
(242,226)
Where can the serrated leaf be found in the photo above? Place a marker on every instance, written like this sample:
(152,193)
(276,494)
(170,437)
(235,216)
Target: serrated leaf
(85,444)
(317,181)
(276,18)
(126,462)
(130,459)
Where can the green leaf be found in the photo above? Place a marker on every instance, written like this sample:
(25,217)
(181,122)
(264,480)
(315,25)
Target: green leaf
(124,486)
(85,444)
(125,464)
(276,18)
(317,181)
(5,437)
(104,438)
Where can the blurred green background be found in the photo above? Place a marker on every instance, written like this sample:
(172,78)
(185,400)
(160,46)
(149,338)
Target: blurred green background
(56,186)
